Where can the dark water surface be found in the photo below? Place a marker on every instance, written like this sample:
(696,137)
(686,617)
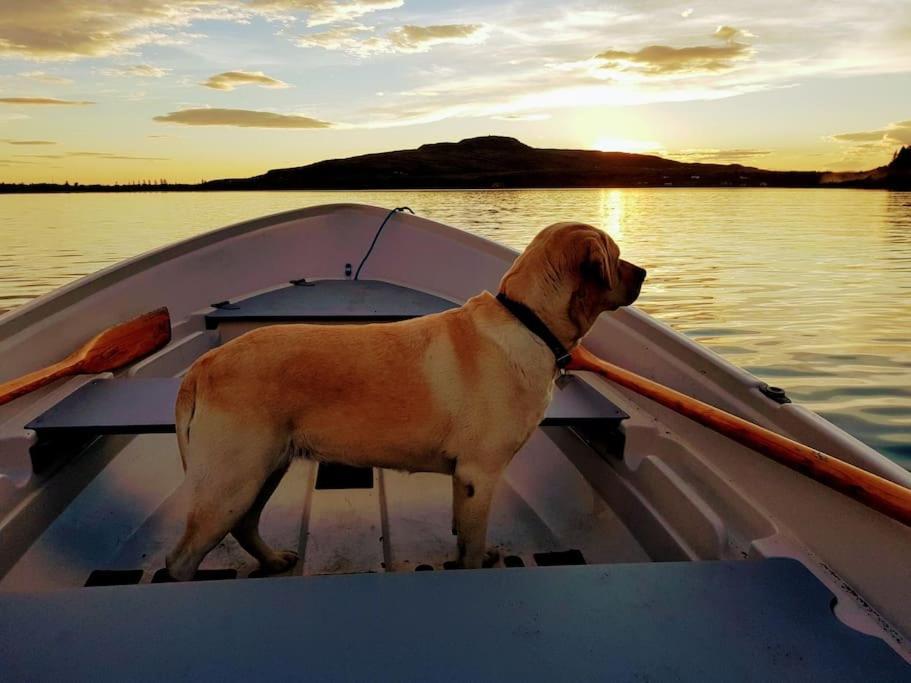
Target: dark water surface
(806,289)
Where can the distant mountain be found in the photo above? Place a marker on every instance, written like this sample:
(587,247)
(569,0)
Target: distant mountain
(503,162)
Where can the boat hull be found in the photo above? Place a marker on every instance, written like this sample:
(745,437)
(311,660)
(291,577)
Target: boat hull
(676,491)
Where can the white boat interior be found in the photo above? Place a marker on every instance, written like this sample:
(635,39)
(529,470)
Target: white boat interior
(89,469)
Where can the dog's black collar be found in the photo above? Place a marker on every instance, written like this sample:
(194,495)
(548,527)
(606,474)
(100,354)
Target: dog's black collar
(535,325)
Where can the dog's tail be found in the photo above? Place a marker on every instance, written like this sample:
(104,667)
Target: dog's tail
(184,410)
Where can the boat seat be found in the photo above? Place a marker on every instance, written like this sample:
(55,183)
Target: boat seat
(142,405)
(766,620)
(330,301)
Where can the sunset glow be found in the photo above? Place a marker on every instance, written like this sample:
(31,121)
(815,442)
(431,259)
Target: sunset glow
(620,145)
(93,91)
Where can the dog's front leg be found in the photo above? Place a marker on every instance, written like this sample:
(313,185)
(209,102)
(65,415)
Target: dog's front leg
(472,494)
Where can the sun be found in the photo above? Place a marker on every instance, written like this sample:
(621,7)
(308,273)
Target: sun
(623,145)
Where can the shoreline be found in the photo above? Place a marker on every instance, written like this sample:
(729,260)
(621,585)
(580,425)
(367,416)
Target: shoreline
(114,189)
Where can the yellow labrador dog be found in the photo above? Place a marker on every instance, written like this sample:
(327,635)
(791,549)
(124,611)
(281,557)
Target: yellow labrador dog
(458,393)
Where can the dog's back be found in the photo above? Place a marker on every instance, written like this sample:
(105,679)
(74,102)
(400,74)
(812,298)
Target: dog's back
(386,395)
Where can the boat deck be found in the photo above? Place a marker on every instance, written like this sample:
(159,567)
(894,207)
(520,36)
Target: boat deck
(129,515)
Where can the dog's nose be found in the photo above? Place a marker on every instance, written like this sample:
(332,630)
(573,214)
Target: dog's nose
(640,273)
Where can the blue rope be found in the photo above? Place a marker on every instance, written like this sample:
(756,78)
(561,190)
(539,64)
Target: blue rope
(377,236)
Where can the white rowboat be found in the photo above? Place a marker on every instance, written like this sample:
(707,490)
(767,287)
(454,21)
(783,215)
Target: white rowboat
(634,542)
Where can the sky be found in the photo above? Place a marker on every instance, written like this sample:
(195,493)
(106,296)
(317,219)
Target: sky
(186,90)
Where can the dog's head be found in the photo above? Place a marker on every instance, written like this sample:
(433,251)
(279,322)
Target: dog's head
(569,274)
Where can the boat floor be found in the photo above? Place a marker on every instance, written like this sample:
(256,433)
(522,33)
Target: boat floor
(129,516)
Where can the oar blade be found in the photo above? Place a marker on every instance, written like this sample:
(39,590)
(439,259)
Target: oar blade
(122,344)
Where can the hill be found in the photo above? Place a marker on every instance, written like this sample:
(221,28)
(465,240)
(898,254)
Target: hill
(502,162)
(894,176)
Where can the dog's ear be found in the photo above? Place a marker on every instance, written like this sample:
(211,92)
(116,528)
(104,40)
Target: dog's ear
(597,262)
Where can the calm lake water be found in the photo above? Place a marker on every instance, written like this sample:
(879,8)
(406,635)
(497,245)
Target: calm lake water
(806,289)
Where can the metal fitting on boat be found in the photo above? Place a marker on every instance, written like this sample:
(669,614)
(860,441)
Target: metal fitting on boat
(777,394)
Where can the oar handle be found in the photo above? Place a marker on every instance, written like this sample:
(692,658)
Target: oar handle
(870,489)
(35,380)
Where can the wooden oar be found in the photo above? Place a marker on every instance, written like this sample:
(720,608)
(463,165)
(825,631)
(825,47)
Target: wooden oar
(112,349)
(874,491)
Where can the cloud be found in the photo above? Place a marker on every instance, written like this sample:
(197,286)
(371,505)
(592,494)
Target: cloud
(345,38)
(45,77)
(228,80)
(860,137)
(72,29)
(30,142)
(41,100)
(140,70)
(544,87)
(408,38)
(545,60)
(894,134)
(16,162)
(662,59)
(718,155)
(68,29)
(327,11)
(242,118)
(728,33)
(93,155)
(522,117)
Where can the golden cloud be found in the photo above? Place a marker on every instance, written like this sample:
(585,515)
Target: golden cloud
(718,155)
(347,38)
(662,59)
(242,118)
(140,70)
(420,38)
(408,38)
(41,100)
(327,11)
(67,29)
(30,142)
(45,77)
(228,80)
(894,134)
(70,29)
(531,116)
(93,155)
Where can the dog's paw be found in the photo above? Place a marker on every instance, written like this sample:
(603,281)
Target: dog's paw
(491,557)
(281,562)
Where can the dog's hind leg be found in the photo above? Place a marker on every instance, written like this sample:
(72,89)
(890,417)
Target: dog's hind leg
(458,494)
(247,531)
(216,506)
(226,471)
